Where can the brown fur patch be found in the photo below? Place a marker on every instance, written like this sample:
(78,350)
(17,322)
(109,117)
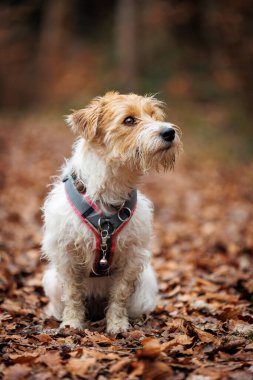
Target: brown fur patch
(85,121)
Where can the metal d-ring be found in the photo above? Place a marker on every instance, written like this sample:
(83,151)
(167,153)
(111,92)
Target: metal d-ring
(124,209)
(101,223)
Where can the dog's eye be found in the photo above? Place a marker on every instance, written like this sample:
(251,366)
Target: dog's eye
(129,120)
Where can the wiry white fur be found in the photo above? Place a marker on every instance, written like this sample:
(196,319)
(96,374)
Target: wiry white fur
(70,247)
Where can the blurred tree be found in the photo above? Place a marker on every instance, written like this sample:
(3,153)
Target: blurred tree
(233,29)
(126,36)
(55,36)
(19,30)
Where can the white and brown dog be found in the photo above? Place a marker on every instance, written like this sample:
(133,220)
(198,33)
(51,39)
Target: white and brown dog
(122,137)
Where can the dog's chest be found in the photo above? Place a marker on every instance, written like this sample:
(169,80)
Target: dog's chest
(136,233)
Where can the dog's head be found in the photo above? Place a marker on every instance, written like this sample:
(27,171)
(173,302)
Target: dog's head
(129,129)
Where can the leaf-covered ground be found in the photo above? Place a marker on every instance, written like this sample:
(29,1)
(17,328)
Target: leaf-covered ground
(202,328)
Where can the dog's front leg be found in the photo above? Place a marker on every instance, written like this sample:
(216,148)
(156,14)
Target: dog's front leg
(74,309)
(116,316)
(121,290)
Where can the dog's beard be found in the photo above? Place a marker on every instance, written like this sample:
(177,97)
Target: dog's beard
(143,161)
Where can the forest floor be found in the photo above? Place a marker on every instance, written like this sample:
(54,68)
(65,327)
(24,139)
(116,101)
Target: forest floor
(202,328)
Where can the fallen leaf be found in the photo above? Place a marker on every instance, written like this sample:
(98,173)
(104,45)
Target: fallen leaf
(157,370)
(206,337)
(24,358)
(119,365)
(80,366)
(151,348)
(44,338)
(138,368)
(51,358)
(17,372)
(181,339)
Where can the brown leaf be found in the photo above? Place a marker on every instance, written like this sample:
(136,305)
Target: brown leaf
(173,292)
(151,348)
(24,358)
(98,338)
(232,343)
(181,339)
(17,372)
(241,327)
(44,338)
(205,336)
(98,355)
(138,368)
(52,359)
(176,325)
(134,334)
(119,365)
(157,370)
(222,296)
(81,366)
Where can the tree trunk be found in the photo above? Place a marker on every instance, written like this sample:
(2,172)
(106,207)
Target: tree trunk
(52,45)
(125,39)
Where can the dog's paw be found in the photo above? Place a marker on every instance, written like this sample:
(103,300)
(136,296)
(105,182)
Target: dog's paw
(74,323)
(117,326)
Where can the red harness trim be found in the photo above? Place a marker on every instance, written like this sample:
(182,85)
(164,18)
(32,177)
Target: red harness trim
(92,204)
(97,235)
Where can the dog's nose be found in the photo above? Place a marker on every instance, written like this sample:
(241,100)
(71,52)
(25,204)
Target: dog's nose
(168,134)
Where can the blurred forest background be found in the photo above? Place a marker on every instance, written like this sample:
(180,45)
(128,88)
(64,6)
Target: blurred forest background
(196,54)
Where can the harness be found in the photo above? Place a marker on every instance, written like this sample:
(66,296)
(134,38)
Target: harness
(104,227)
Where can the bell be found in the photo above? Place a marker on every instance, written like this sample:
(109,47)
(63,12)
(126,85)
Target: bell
(103,262)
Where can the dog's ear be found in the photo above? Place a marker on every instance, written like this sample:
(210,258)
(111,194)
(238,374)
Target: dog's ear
(85,121)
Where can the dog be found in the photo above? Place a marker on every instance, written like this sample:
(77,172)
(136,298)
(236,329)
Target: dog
(102,260)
